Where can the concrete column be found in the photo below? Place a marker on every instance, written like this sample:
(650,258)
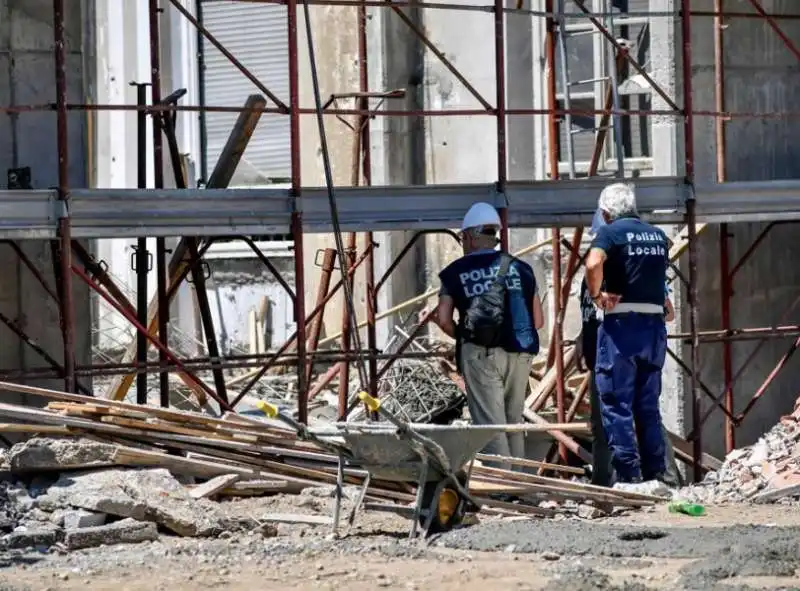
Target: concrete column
(668,158)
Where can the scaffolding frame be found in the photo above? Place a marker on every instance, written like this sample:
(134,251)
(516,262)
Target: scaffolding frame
(67,213)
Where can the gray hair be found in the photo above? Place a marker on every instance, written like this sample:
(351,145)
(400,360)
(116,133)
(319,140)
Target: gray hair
(618,200)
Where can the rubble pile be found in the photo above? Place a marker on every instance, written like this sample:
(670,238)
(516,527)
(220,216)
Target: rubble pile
(103,472)
(766,472)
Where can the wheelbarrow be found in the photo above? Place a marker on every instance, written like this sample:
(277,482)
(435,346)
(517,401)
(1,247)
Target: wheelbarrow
(437,458)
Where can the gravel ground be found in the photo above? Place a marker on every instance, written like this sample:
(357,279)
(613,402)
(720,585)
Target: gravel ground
(637,552)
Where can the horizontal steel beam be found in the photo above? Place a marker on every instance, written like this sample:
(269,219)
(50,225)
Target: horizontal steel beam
(128,213)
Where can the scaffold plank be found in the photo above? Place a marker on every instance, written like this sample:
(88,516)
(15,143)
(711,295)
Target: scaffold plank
(128,213)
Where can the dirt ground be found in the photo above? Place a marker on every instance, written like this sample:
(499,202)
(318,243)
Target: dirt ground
(735,547)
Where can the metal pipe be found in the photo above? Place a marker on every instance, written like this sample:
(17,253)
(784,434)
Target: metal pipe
(330,187)
(166,122)
(691,204)
(347,321)
(750,357)
(156,343)
(328,261)
(158,183)
(636,66)
(752,248)
(286,360)
(64,227)
(565,87)
(33,269)
(270,267)
(775,27)
(726,278)
(613,54)
(291,340)
(500,88)
(406,249)
(15,328)
(142,258)
(297,217)
(550,56)
(519,10)
(350,253)
(770,378)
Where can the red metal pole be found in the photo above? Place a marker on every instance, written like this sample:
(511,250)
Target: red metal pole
(156,342)
(64,227)
(558,337)
(775,27)
(500,111)
(297,218)
(726,278)
(688,130)
(366,169)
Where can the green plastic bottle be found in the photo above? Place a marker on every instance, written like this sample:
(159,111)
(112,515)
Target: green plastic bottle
(687,508)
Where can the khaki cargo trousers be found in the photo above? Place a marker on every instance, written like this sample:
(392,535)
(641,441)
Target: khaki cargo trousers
(497,382)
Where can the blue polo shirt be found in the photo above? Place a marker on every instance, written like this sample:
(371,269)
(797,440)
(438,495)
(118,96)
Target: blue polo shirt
(473,274)
(637,255)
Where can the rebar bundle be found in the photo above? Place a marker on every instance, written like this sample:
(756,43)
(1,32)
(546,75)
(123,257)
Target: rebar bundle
(417,390)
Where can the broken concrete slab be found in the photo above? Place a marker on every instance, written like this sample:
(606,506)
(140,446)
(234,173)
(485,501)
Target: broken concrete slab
(81,518)
(28,538)
(126,531)
(146,495)
(40,454)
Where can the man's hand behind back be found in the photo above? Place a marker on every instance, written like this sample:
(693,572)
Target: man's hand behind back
(606,301)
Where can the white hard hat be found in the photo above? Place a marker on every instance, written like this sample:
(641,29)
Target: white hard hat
(481,214)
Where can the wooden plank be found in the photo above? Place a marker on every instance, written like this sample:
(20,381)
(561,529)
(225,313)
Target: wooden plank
(163,428)
(683,449)
(589,489)
(128,456)
(169,414)
(559,436)
(296,519)
(213,486)
(259,487)
(28,428)
(530,463)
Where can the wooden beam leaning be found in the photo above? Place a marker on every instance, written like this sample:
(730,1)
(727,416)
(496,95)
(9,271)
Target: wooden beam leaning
(179,265)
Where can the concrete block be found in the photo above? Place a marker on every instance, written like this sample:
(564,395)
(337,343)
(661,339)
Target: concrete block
(26,538)
(59,454)
(80,519)
(146,495)
(127,531)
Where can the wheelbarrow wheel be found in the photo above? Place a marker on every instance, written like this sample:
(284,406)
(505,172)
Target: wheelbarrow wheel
(443,500)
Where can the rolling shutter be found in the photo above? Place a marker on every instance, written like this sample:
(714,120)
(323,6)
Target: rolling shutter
(256,35)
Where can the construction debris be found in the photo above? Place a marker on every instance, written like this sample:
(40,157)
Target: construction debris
(766,472)
(119,464)
(416,390)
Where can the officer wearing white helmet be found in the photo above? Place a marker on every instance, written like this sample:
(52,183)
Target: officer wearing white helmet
(499,312)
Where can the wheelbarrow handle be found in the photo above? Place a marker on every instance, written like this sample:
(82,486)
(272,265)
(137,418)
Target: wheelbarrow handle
(373,404)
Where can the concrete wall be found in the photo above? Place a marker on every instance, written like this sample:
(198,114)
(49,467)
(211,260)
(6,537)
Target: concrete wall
(122,46)
(27,76)
(761,75)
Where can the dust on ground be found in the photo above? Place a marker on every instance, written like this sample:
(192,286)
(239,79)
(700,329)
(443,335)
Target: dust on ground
(733,547)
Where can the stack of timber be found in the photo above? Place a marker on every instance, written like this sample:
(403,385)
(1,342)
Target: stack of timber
(239,456)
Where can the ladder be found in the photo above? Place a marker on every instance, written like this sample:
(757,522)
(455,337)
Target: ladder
(567,85)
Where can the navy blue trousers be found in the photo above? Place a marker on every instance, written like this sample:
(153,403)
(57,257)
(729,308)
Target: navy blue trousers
(631,348)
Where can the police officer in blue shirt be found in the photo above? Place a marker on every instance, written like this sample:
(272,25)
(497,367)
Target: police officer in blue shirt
(602,471)
(496,378)
(625,275)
